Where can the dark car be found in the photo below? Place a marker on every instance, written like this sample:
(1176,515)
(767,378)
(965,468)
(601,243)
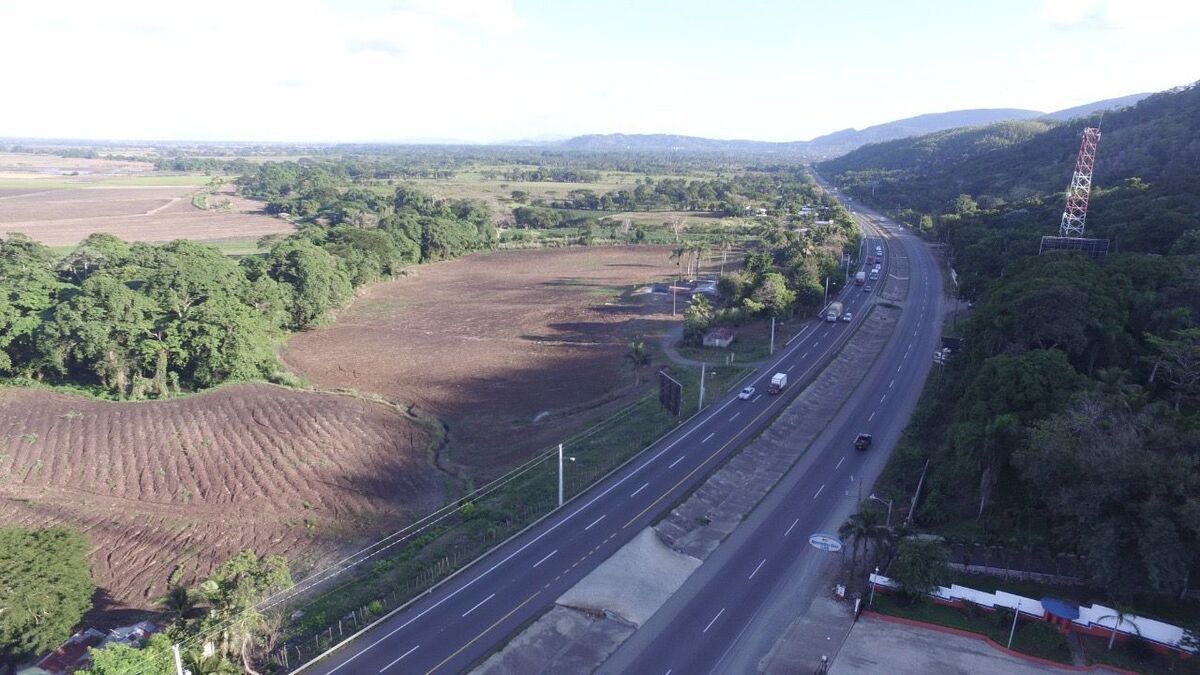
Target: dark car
(862,442)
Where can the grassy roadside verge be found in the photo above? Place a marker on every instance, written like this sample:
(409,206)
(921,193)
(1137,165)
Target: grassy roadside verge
(1035,638)
(420,561)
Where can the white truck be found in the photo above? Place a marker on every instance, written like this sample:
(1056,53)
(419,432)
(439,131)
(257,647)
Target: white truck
(834,311)
(860,278)
(778,383)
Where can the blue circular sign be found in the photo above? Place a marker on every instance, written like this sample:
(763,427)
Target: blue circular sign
(825,542)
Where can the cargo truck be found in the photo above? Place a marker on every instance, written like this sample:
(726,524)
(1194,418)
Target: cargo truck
(860,278)
(834,312)
(778,382)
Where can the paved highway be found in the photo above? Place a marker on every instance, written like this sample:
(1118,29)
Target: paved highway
(459,622)
(727,616)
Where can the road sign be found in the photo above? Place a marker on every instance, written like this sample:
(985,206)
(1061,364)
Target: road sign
(825,542)
(670,392)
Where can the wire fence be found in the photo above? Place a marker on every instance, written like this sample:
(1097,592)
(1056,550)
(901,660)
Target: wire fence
(345,597)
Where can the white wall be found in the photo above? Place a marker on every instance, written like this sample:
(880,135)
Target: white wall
(1095,615)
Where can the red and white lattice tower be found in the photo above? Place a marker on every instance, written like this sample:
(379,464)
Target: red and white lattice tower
(1081,186)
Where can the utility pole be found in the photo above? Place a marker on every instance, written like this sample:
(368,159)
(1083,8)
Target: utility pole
(871,602)
(700,405)
(1013,632)
(672,300)
(888,503)
(772,335)
(826,303)
(560,475)
(178,662)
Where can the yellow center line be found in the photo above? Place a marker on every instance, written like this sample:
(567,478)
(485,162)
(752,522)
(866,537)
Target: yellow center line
(485,631)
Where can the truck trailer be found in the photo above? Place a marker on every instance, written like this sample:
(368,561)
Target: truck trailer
(834,311)
(778,383)
(860,278)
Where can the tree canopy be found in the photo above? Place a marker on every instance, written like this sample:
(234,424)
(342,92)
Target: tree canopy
(45,587)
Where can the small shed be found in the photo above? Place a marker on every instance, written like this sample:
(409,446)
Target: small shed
(719,337)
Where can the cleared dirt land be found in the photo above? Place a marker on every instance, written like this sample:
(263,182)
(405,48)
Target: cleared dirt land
(191,481)
(489,343)
(60,201)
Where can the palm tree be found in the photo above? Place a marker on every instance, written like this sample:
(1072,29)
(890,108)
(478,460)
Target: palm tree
(698,250)
(214,664)
(180,604)
(1121,613)
(677,254)
(724,243)
(638,358)
(862,527)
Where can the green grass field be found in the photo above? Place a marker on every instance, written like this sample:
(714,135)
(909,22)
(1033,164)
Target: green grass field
(1035,638)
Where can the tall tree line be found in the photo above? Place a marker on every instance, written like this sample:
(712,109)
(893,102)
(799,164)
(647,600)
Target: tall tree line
(142,320)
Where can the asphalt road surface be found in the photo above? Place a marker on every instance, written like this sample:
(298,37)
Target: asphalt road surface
(728,614)
(461,621)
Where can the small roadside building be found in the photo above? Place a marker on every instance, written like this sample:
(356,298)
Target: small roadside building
(719,337)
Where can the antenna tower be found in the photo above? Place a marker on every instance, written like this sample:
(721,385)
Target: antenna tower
(1081,186)
(1070,230)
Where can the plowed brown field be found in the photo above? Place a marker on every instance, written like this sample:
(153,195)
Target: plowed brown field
(488,343)
(191,481)
(62,217)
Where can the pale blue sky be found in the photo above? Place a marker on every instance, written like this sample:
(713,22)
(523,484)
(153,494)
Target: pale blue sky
(490,70)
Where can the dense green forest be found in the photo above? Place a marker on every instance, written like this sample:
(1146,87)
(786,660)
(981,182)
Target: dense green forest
(382,162)
(1070,419)
(45,587)
(139,320)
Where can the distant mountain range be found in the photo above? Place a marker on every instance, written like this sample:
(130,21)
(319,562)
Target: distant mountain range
(838,142)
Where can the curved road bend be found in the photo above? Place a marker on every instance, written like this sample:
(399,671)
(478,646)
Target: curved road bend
(456,624)
(730,612)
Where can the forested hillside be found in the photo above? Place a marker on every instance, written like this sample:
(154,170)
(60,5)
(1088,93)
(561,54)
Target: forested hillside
(1145,197)
(1070,419)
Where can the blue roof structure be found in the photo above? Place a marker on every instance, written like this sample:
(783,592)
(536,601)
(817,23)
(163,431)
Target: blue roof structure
(1061,608)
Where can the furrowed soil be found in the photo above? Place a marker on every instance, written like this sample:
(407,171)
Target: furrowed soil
(513,351)
(189,482)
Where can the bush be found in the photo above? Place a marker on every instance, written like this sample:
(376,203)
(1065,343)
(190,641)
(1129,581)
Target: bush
(375,607)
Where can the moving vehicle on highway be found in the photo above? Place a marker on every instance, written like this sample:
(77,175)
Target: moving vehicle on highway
(867,288)
(833,312)
(778,383)
(860,278)
(862,442)
(746,393)
(847,317)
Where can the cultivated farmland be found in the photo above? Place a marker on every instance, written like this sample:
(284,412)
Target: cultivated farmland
(511,350)
(189,482)
(60,201)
